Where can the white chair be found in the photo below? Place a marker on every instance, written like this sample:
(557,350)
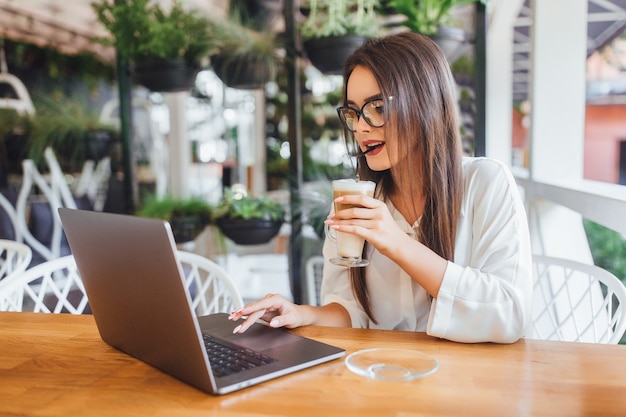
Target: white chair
(314,267)
(22,102)
(55,192)
(51,287)
(576,302)
(55,286)
(14,258)
(94,182)
(211,289)
(9,211)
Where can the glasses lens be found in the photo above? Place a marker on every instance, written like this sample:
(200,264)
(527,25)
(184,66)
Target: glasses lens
(349,117)
(374,113)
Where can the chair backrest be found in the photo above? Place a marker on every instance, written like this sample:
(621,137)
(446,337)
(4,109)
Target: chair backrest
(94,182)
(211,289)
(22,102)
(55,286)
(576,302)
(51,287)
(14,258)
(55,193)
(10,228)
(314,268)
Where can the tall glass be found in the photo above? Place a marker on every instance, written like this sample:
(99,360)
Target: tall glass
(349,246)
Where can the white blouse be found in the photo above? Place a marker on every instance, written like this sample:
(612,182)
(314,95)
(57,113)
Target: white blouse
(485,295)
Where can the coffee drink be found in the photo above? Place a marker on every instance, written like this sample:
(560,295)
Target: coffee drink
(350,246)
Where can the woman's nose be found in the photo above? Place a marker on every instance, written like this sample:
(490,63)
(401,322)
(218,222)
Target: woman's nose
(361,124)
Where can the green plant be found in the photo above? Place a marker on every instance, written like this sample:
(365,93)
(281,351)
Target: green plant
(340,17)
(608,248)
(426,16)
(65,125)
(25,57)
(239,205)
(232,37)
(187,217)
(243,57)
(143,30)
(169,207)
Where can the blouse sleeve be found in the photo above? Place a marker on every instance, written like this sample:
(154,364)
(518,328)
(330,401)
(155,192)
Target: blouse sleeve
(486,294)
(336,287)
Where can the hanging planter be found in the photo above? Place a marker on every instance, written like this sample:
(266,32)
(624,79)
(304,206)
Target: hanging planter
(248,220)
(165,75)
(246,71)
(187,217)
(257,14)
(249,231)
(329,54)
(451,40)
(433,18)
(100,143)
(165,47)
(186,228)
(333,29)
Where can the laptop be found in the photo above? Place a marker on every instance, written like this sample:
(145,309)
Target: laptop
(136,291)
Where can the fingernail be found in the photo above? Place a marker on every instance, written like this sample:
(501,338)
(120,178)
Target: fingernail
(274,323)
(236,329)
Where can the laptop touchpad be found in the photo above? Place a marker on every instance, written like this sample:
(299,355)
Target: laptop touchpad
(260,337)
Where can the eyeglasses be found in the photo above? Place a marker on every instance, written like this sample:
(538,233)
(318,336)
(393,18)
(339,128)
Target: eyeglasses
(373,112)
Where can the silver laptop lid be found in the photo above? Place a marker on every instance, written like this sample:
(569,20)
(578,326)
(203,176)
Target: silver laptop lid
(127,265)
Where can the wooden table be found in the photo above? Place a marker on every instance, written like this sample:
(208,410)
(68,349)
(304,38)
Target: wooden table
(57,365)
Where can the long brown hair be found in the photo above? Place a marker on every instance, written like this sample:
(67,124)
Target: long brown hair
(411,69)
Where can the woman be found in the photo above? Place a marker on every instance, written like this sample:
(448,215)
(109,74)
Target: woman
(447,237)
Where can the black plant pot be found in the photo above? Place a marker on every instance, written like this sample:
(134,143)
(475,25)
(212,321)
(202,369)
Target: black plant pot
(99,144)
(186,228)
(329,54)
(249,231)
(165,75)
(246,72)
(451,40)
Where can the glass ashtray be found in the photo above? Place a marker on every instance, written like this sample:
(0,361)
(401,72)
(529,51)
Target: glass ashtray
(391,364)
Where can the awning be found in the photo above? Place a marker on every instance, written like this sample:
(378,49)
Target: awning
(606,19)
(68,25)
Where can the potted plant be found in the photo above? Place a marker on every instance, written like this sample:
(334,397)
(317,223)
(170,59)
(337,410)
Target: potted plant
(257,14)
(187,217)
(71,129)
(432,18)
(68,126)
(248,220)
(243,57)
(333,29)
(166,49)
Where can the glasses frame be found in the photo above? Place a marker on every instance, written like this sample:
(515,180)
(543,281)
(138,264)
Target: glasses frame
(359,113)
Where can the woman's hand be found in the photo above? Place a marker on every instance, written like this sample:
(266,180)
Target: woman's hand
(274,309)
(371,220)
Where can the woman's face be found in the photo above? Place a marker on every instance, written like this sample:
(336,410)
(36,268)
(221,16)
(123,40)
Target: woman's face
(361,88)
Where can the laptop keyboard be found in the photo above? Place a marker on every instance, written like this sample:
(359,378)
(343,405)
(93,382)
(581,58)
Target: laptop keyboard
(227,360)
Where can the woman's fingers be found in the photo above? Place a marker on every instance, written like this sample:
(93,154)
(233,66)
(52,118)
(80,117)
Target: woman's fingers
(265,309)
(249,321)
(359,200)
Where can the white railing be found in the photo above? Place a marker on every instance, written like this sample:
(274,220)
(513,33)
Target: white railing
(555,210)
